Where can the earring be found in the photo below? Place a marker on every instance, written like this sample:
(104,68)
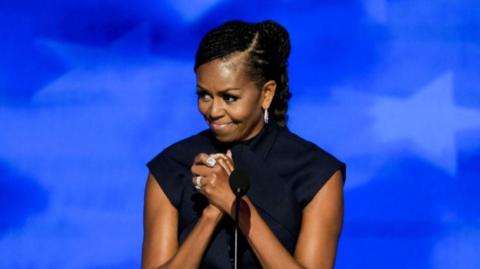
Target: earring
(265,116)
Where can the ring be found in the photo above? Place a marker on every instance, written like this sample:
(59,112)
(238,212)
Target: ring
(198,182)
(211,162)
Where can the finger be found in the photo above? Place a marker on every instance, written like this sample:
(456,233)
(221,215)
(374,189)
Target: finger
(229,161)
(216,155)
(228,156)
(200,170)
(201,158)
(224,164)
(205,187)
(230,164)
(202,181)
(202,191)
(197,182)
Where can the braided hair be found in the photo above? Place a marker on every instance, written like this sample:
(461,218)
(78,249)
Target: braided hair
(267,45)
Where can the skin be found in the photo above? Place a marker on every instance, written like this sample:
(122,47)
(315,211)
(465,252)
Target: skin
(230,101)
(233,107)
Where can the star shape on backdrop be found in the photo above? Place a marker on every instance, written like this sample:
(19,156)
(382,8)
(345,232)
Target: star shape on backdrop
(429,119)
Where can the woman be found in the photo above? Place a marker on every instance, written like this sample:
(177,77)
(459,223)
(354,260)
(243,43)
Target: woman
(292,215)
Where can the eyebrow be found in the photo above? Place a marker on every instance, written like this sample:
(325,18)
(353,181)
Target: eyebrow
(220,91)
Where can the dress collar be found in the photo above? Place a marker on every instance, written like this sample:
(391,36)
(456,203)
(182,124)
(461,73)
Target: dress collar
(261,144)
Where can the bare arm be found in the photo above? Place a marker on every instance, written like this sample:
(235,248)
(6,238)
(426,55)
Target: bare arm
(317,243)
(322,223)
(160,243)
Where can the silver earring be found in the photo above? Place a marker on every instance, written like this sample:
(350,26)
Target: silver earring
(265,116)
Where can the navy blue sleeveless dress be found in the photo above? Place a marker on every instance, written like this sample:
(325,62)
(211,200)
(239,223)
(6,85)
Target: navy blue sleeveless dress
(285,172)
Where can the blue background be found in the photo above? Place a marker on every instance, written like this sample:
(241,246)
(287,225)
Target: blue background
(91,90)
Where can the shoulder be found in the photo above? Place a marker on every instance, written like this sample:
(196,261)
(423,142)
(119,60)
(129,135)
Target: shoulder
(304,164)
(303,154)
(292,144)
(185,145)
(183,149)
(171,166)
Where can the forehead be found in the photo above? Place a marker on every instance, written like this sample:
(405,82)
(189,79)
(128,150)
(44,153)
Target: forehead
(228,72)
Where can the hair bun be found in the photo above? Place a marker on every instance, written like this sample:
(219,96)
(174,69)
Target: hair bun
(278,36)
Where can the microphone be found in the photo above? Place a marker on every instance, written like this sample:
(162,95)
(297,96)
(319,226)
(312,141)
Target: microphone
(239,183)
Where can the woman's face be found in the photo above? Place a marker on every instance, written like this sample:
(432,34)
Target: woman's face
(229,100)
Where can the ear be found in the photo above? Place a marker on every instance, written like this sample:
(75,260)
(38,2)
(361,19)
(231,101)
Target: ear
(268,92)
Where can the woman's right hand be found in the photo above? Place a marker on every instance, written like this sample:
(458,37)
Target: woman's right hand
(213,180)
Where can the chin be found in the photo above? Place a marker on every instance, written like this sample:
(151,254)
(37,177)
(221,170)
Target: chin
(225,138)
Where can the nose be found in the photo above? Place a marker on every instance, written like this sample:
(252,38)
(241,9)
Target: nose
(216,109)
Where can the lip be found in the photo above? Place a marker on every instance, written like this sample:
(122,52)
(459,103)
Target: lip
(219,126)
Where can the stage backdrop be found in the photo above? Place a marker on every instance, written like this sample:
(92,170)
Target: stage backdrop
(91,90)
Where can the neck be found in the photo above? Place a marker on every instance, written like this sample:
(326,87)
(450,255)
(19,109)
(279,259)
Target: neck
(257,128)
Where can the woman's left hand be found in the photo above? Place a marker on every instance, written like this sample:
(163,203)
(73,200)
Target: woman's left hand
(214,180)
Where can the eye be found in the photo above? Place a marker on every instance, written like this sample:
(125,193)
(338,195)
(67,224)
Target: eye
(229,98)
(204,96)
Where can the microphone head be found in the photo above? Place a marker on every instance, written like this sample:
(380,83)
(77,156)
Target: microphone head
(239,182)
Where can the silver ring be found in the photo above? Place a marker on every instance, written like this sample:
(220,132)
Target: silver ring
(198,182)
(211,162)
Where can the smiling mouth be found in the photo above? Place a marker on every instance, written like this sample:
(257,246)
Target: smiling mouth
(218,126)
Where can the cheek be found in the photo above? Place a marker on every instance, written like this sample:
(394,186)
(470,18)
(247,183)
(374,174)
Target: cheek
(202,108)
(244,111)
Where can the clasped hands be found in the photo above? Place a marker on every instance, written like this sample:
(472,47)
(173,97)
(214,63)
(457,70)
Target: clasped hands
(211,178)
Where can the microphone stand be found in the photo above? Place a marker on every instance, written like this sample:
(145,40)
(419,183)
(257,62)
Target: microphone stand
(237,225)
(239,183)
